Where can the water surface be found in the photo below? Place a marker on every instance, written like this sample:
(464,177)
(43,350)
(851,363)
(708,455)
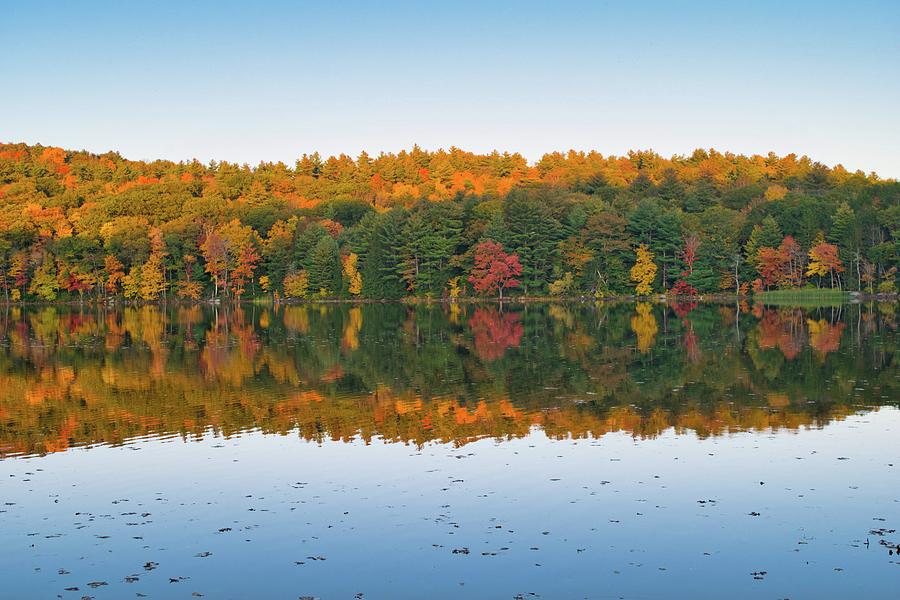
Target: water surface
(387,451)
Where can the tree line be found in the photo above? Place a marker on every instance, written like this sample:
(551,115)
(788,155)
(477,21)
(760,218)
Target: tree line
(77,225)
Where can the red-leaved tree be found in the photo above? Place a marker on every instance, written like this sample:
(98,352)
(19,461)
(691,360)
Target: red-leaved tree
(494,269)
(770,266)
(689,256)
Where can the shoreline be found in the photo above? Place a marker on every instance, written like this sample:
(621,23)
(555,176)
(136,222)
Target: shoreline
(849,298)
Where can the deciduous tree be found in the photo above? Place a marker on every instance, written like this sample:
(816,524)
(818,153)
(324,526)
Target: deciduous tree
(824,260)
(494,270)
(644,271)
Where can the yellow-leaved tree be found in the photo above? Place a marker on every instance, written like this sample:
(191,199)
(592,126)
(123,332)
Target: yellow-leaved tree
(352,274)
(454,289)
(296,285)
(44,283)
(562,285)
(131,283)
(644,271)
(153,280)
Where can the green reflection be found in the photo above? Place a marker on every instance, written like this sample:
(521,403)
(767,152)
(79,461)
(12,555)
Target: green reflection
(447,373)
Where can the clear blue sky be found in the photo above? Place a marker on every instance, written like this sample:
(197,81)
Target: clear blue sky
(246,81)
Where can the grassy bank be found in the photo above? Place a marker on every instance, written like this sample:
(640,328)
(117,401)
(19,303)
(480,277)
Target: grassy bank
(807,297)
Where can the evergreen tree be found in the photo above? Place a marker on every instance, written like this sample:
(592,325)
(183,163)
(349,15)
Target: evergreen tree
(533,235)
(765,235)
(325,267)
(384,241)
(845,234)
(306,241)
(605,235)
(660,229)
(670,190)
(432,234)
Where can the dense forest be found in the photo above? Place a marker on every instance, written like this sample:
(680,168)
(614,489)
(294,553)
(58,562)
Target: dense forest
(82,226)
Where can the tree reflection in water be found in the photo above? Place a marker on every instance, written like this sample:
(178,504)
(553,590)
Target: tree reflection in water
(442,373)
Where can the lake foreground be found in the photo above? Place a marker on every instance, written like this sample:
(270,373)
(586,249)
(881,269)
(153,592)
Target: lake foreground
(557,451)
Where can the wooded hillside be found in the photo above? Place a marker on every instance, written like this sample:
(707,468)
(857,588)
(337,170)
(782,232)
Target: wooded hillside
(80,225)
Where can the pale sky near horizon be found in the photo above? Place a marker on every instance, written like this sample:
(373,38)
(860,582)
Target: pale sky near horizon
(248,82)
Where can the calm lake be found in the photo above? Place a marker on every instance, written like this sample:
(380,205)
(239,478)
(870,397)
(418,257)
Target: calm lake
(451,451)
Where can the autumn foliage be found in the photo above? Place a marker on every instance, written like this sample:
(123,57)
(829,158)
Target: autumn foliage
(99,227)
(494,269)
(644,271)
(824,260)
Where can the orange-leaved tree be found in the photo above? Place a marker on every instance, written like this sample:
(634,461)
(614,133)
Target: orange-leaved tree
(824,260)
(215,257)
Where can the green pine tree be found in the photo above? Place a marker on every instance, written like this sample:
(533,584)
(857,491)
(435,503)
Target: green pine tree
(324,267)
